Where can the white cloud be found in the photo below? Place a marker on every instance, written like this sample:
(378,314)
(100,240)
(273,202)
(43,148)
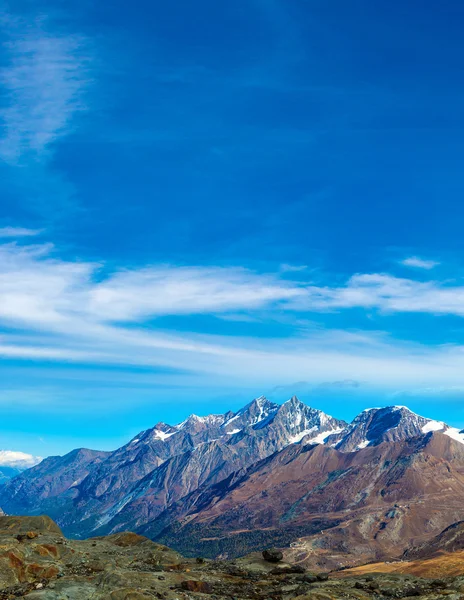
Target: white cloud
(62,310)
(43,81)
(286,268)
(35,287)
(17,232)
(129,295)
(390,294)
(19,460)
(419,263)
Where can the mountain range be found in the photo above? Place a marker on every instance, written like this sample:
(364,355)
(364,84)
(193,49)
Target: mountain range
(333,493)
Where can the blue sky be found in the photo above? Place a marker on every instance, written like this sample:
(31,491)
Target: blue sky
(201,202)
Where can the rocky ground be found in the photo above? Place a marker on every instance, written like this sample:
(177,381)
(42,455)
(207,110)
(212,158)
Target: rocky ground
(37,562)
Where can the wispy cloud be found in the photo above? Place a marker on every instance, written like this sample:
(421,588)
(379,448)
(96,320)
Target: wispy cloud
(287,268)
(36,284)
(18,232)
(45,73)
(389,294)
(43,80)
(162,290)
(419,263)
(61,310)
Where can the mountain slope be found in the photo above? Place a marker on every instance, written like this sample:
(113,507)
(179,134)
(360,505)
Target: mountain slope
(51,485)
(370,504)
(450,539)
(258,431)
(161,465)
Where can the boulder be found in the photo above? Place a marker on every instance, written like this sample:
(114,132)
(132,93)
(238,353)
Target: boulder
(30,527)
(288,570)
(272,555)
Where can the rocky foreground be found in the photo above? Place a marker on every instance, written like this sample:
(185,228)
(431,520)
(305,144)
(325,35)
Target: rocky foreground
(37,562)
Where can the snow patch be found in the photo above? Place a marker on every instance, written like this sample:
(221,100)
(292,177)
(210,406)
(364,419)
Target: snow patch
(77,482)
(320,438)
(161,435)
(433,426)
(452,432)
(231,420)
(294,439)
(455,434)
(363,444)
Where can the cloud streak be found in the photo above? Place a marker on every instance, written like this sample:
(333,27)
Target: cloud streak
(18,232)
(44,81)
(419,263)
(61,310)
(390,294)
(38,286)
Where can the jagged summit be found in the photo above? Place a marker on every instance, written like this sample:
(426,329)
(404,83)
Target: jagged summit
(256,412)
(305,422)
(371,426)
(250,415)
(136,483)
(388,424)
(194,420)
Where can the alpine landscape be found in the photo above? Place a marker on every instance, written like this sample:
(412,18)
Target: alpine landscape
(231,300)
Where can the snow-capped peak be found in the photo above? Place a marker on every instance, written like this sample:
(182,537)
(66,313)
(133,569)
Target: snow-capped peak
(195,419)
(391,423)
(255,413)
(294,422)
(295,402)
(301,422)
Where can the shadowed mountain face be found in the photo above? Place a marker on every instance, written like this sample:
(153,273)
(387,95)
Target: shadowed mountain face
(266,475)
(377,425)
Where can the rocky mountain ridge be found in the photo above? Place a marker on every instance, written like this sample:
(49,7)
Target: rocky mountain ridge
(266,474)
(86,490)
